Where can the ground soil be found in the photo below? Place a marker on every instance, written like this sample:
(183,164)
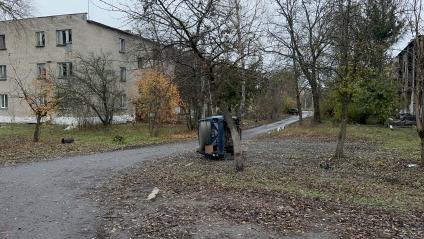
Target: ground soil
(283,193)
(53,199)
(16,149)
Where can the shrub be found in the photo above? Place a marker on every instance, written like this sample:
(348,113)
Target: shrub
(158,97)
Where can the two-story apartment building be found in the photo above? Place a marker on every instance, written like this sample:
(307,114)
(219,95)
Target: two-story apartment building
(29,47)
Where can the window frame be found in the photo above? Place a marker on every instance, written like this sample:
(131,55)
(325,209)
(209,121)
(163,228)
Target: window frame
(4,101)
(5,73)
(66,38)
(156,55)
(123,74)
(40,100)
(69,70)
(3,38)
(41,75)
(140,63)
(123,101)
(39,43)
(122,45)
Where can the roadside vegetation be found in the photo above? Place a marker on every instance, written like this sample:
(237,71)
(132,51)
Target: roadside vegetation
(284,190)
(402,140)
(16,143)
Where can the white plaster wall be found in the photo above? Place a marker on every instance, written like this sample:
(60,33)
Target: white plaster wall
(23,56)
(61,120)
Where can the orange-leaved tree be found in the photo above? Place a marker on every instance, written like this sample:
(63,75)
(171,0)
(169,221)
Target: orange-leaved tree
(157,100)
(40,95)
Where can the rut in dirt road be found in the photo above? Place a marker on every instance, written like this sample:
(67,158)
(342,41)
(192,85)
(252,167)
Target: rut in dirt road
(46,199)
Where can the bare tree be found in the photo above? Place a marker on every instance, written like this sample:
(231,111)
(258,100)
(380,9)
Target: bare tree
(298,87)
(14,9)
(40,96)
(192,26)
(198,27)
(245,21)
(93,85)
(186,79)
(301,32)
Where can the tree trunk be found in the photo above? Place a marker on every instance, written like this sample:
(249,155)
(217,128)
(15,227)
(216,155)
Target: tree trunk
(188,119)
(241,54)
(37,129)
(419,99)
(422,151)
(343,125)
(316,98)
(212,105)
(296,79)
(152,125)
(419,115)
(204,96)
(299,107)
(105,121)
(418,87)
(235,136)
(243,96)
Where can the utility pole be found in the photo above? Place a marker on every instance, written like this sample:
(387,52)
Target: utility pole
(88,9)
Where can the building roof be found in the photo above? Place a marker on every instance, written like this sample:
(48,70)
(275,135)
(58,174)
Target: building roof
(116,29)
(50,16)
(410,44)
(88,21)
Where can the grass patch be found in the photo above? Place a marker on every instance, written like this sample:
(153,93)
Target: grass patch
(402,140)
(369,194)
(336,186)
(16,143)
(373,175)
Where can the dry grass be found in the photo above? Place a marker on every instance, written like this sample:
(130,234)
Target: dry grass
(404,140)
(283,190)
(16,140)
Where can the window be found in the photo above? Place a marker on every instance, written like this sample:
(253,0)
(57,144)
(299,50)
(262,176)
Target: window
(2,42)
(40,100)
(123,101)
(64,37)
(40,39)
(156,55)
(41,71)
(3,75)
(4,102)
(140,63)
(123,74)
(121,45)
(65,69)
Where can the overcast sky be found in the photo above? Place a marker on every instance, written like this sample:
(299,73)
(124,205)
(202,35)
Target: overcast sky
(57,7)
(98,12)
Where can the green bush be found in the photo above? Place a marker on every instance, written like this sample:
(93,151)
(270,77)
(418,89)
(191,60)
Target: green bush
(118,139)
(375,101)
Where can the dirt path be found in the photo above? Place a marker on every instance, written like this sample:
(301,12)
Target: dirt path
(47,199)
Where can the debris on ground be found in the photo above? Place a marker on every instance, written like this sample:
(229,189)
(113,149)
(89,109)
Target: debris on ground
(153,194)
(281,193)
(412,165)
(67,140)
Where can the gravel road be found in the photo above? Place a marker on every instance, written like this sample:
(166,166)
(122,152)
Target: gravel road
(47,199)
